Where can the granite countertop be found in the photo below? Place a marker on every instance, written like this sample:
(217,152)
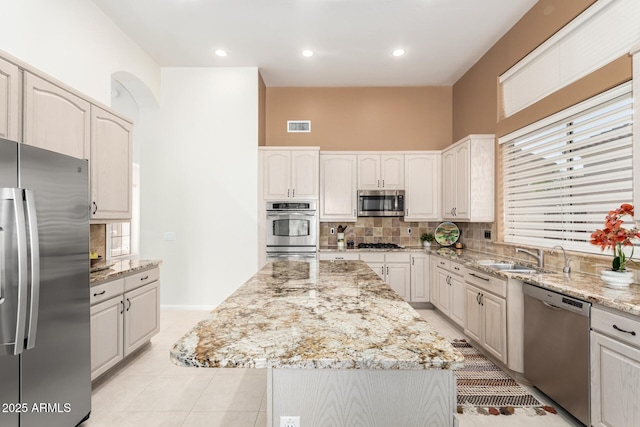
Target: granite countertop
(114,270)
(403,249)
(314,315)
(583,286)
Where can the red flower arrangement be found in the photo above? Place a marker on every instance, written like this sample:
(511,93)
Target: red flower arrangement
(616,237)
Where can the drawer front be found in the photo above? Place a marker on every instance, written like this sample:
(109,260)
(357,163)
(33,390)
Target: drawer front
(372,256)
(140,279)
(397,257)
(456,268)
(105,291)
(617,326)
(338,256)
(443,263)
(486,282)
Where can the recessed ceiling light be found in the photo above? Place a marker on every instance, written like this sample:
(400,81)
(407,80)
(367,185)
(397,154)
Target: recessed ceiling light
(398,52)
(220,52)
(307,53)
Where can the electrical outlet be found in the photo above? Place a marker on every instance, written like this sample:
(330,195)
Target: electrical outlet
(332,230)
(487,234)
(409,231)
(170,235)
(289,421)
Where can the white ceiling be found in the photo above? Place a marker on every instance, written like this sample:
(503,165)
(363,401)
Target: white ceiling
(352,39)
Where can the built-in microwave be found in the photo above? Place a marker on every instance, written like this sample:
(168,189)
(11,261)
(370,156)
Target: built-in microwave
(381,203)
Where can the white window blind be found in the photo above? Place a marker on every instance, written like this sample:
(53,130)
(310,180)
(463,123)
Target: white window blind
(561,176)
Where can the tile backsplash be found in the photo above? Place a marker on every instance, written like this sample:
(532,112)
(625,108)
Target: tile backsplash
(98,239)
(472,236)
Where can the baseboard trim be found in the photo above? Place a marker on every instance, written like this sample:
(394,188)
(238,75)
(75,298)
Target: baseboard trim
(187,307)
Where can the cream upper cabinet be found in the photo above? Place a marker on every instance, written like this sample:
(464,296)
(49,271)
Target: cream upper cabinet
(290,174)
(380,171)
(10,113)
(422,186)
(55,119)
(111,148)
(338,193)
(468,179)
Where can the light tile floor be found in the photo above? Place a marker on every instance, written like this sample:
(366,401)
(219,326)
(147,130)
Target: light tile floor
(149,391)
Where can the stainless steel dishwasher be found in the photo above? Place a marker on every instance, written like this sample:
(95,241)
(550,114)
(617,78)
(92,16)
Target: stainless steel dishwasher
(556,348)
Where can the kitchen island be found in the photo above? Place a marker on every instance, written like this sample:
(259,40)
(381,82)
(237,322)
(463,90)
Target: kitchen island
(339,345)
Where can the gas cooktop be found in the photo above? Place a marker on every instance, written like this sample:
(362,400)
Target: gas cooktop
(379,246)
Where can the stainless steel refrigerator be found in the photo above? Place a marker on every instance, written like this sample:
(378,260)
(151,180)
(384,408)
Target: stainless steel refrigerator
(45,359)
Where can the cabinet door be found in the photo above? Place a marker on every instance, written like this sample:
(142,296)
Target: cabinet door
(378,267)
(615,382)
(399,278)
(304,174)
(338,192)
(444,291)
(106,335)
(495,326)
(433,281)
(111,148)
(462,209)
(369,172)
(141,316)
(392,171)
(277,175)
(420,278)
(448,184)
(55,119)
(457,313)
(473,313)
(10,113)
(422,187)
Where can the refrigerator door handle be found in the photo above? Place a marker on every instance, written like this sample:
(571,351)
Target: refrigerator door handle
(34,243)
(16,195)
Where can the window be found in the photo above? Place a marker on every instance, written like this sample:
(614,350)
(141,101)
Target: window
(120,239)
(563,174)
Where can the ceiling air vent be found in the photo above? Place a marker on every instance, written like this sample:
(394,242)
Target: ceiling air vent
(298,125)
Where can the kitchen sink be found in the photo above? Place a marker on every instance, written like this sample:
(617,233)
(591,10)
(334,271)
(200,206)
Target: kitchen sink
(509,267)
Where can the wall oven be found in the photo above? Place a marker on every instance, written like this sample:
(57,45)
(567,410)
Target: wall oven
(292,229)
(381,203)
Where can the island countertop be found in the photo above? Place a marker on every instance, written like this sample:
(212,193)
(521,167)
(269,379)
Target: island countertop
(315,314)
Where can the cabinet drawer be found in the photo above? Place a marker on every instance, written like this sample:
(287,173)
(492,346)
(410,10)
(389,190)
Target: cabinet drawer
(105,291)
(338,256)
(456,268)
(397,257)
(372,256)
(142,278)
(614,325)
(443,263)
(486,282)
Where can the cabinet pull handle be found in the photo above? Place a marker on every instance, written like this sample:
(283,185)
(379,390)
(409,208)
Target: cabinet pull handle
(479,277)
(288,191)
(122,302)
(413,261)
(145,277)
(407,212)
(293,193)
(339,257)
(383,183)
(378,183)
(354,212)
(99,293)
(633,333)
(382,271)
(387,270)
(95,208)
(478,298)
(482,300)
(129,301)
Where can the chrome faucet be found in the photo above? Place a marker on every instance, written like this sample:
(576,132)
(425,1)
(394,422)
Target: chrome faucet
(566,269)
(539,256)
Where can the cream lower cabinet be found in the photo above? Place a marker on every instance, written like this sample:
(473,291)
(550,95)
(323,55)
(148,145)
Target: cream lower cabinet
(450,282)
(10,89)
(55,119)
(125,314)
(433,281)
(420,282)
(486,321)
(392,267)
(615,369)
(111,162)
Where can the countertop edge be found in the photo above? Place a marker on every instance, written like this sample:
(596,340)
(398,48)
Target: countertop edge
(121,269)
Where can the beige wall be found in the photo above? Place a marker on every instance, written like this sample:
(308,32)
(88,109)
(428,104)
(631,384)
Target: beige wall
(361,118)
(475,95)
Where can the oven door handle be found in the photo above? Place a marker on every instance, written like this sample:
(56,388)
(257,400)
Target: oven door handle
(281,214)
